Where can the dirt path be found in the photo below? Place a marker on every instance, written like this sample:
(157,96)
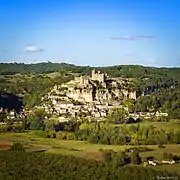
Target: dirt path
(4,146)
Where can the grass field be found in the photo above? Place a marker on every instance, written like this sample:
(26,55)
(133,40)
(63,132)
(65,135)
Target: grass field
(78,148)
(168,126)
(174,168)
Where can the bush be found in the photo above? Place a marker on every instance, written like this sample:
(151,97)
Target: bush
(51,134)
(139,149)
(17,128)
(17,147)
(177,137)
(61,135)
(101,150)
(70,136)
(93,138)
(135,158)
(176,158)
(40,133)
(167,156)
(108,155)
(161,145)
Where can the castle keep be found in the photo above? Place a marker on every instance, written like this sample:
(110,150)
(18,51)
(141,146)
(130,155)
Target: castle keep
(98,76)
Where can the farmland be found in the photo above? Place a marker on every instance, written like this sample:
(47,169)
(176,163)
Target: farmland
(34,142)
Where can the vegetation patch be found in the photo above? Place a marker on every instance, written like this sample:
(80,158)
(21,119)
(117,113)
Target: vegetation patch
(48,166)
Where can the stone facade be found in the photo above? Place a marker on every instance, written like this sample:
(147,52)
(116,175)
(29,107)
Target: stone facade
(91,89)
(129,95)
(84,96)
(100,77)
(84,80)
(91,96)
(86,89)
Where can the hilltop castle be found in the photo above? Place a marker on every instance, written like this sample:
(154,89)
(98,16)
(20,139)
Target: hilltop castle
(93,95)
(100,77)
(96,88)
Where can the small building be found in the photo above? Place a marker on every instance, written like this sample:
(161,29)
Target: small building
(168,162)
(152,163)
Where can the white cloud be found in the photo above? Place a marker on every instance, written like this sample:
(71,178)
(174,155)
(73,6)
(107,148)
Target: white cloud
(29,49)
(132,38)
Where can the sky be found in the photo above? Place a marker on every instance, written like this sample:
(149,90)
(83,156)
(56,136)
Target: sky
(91,32)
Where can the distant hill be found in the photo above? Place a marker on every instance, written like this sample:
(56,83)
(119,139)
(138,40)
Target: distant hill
(136,71)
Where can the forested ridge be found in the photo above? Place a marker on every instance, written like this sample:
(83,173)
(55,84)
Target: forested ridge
(137,71)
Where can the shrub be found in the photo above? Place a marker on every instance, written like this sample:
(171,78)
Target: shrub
(61,135)
(70,136)
(160,145)
(41,134)
(167,155)
(17,147)
(176,158)
(135,158)
(51,134)
(139,149)
(101,150)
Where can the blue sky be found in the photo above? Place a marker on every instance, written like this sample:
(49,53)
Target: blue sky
(81,31)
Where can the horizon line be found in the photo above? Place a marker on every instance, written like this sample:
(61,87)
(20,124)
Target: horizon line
(96,66)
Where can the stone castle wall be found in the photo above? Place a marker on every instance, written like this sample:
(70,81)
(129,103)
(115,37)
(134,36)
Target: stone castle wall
(84,80)
(98,76)
(83,97)
(86,92)
(129,95)
(132,95)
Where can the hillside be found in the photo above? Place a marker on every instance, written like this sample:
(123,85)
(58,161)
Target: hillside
(114,71)
(156,88)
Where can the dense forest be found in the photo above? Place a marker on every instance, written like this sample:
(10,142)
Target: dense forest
(136,71)
(28,166)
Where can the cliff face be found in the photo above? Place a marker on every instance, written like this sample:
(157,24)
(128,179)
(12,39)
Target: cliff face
(99,93)
(98,88)
(81,96)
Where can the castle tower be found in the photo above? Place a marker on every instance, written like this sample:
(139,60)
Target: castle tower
(93,74)
(81,80)
(98,76)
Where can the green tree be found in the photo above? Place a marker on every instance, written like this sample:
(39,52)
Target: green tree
(36,119)
(130,105)
(117,115)
(119,159)
(50,125)
(135,158)
(17,147)
(177,137)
